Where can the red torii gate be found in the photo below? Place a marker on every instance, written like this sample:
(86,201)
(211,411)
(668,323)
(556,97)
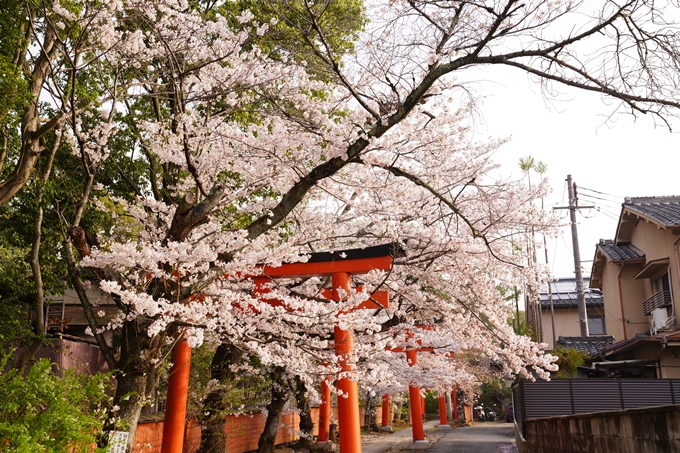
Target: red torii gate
(416,405)
(340,266)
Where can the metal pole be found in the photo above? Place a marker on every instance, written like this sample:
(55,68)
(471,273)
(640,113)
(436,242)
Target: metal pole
(573,206)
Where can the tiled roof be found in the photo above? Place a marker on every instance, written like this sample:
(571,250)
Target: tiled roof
(620,345)
(564,294)
(589,345)
(639,338)
(623,251)
(663,210)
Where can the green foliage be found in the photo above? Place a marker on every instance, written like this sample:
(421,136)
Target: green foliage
(293,35)
(13,87)
(569,359)
(43,412)
(16,291)
(493,393)
(17,219)
(245,390)
(520,326)
(431,403)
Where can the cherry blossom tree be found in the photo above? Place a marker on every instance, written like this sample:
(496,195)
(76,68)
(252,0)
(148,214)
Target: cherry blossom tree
(251,157)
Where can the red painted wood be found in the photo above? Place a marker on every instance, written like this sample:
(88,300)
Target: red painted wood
(176,406)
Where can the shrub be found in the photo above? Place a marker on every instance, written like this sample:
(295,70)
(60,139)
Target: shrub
(43,412)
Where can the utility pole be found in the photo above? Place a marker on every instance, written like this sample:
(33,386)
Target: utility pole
(552,308)
(573,207)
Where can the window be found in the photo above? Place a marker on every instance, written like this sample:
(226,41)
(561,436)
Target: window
(662,283)
(596,325)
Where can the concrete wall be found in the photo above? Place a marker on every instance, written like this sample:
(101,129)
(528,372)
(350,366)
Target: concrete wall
(657,244)
(566,323)
(643,430)
(633,295)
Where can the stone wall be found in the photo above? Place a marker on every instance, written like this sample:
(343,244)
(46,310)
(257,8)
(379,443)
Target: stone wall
(641,430)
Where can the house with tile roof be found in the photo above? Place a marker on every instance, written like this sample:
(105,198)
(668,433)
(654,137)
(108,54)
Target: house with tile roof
(565,308)
(638,273)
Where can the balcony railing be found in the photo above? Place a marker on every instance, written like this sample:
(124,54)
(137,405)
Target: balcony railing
(658,300)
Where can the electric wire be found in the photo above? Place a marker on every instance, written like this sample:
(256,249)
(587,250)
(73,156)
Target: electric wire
(601,193)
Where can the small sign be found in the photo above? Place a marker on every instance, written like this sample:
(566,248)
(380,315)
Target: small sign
(118,442)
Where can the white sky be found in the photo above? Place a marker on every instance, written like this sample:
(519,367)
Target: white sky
(626,157)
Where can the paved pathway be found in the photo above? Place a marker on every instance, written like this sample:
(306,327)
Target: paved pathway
(383,443)
(493,437)
(481,438)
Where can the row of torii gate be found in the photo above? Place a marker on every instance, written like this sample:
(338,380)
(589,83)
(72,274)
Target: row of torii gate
(340,266)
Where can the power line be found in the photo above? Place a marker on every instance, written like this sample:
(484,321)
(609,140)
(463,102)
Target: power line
(593,196)
(597,200)
(601,193)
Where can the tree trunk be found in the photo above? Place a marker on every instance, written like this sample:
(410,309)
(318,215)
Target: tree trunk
(39,323)
(267,441)
(397,410)
(129,395)
(213,416)
(132,377)
(306,422)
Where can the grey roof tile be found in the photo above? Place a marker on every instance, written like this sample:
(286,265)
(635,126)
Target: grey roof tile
(564,294)
(623,251)
(664,210)
(589,345)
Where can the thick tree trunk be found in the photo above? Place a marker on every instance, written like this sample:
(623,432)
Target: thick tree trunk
(213,418)
(129,397)
(132,376)
(306,422)
(267,441)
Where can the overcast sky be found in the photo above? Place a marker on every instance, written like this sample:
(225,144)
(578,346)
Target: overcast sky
(622,157)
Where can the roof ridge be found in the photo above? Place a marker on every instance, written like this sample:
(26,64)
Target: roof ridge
(651,199)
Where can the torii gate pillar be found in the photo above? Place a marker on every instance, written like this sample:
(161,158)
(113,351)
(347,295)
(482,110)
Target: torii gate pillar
(443,420)
(325,411)
(176,405)
(348,391)
(385,423)
(416,408)
(454,402)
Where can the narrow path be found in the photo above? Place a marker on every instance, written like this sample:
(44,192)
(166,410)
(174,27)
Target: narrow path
(493,437)
(384,443)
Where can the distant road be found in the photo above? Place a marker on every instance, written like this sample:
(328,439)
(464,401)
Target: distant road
(490,437)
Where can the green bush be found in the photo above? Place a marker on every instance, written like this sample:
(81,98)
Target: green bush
(43,412)
(569,359)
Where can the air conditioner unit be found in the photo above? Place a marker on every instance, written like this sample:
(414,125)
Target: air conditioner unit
(659,319)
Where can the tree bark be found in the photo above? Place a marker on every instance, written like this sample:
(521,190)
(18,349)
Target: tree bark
(306,422)
(32,128)
(213,416)
(267,441)
(132,379)
(39,322)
